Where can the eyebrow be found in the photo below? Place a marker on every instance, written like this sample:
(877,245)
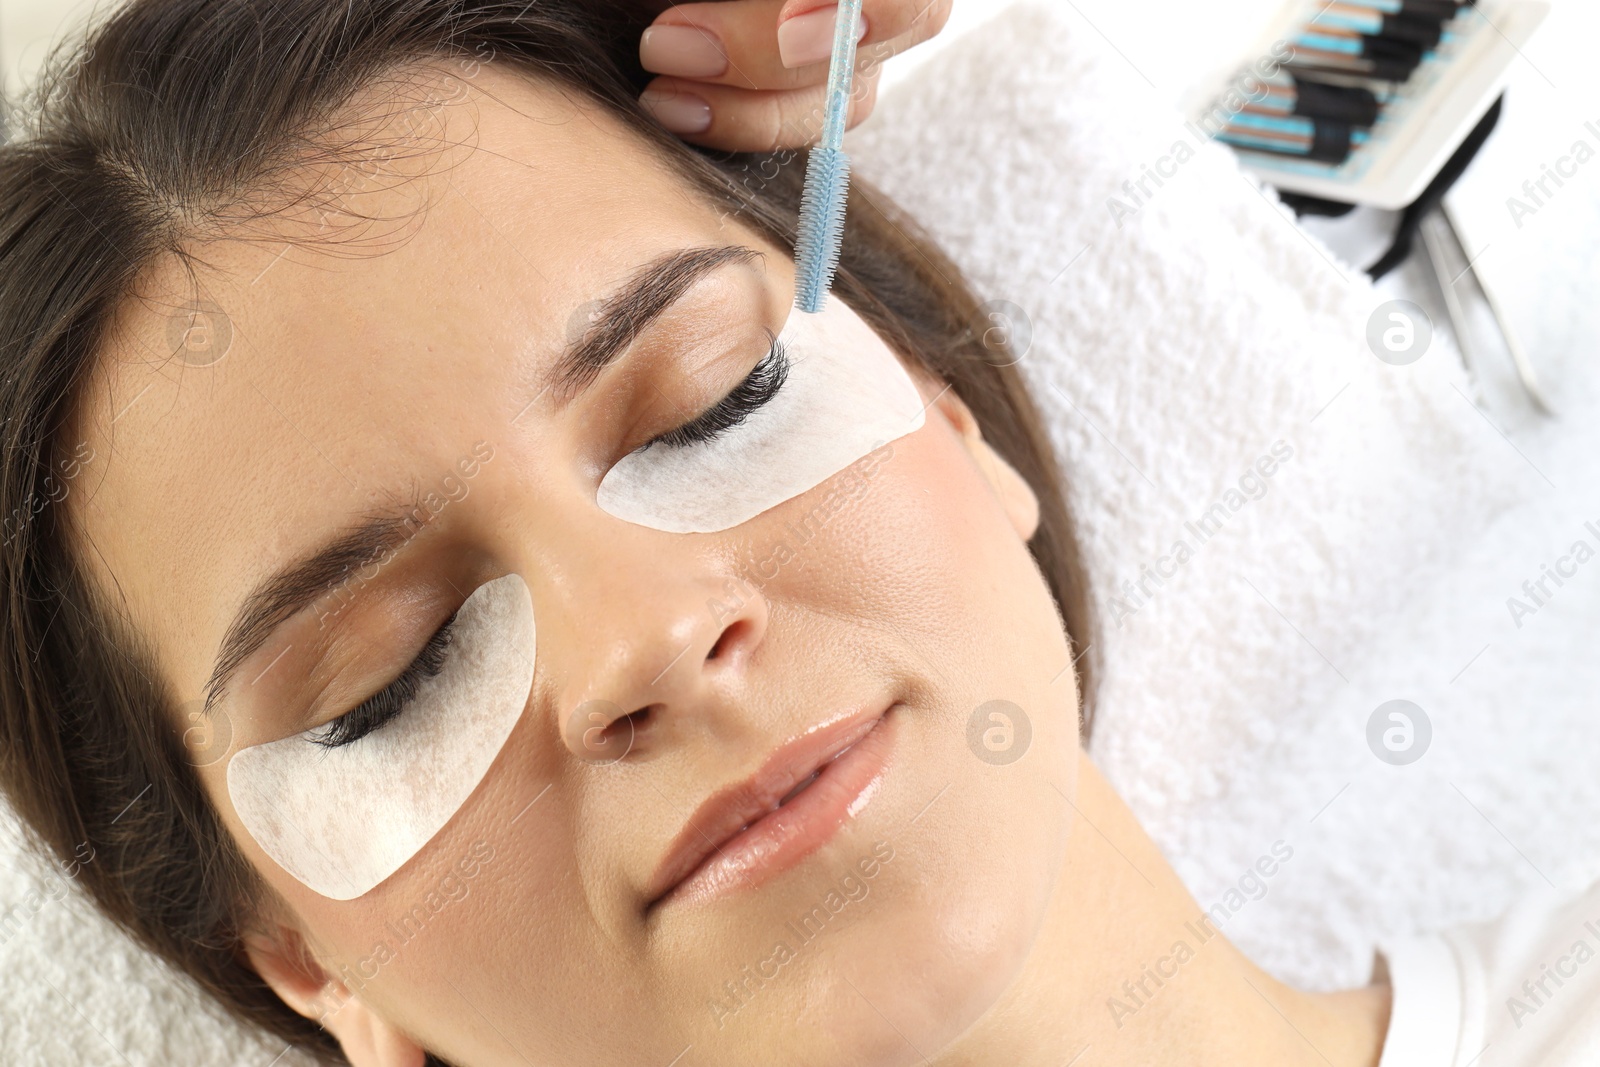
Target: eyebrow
(616,323)
(621,317)
(302,583)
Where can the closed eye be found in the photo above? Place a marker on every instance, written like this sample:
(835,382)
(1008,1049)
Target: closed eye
(756,391)
(387,704)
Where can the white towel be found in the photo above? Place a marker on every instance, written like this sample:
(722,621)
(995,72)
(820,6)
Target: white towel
(1170,348)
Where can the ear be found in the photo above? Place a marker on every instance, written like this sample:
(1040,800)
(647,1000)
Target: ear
(284,962)
(1015,495)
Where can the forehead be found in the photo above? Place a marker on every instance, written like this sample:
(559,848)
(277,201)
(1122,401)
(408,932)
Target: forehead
(308,373)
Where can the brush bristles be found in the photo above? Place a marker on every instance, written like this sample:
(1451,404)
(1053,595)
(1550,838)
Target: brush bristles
(821,234)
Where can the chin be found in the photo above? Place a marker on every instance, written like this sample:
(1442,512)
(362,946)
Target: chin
(947,930)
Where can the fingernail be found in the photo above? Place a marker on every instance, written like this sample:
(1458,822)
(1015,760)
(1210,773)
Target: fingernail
(678,112)
(808,38)
(682,51)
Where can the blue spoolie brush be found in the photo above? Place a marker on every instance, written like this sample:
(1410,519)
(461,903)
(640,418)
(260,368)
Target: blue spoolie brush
(816,247)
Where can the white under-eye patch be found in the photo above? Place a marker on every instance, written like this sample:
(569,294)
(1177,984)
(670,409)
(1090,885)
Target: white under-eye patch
(343,819)
(846,394)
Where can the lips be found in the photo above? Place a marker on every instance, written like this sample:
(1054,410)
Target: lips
(754,830)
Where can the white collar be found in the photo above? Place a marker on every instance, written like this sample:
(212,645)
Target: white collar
(1425,1019)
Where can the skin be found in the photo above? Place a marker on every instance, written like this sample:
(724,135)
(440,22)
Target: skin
(1019,896)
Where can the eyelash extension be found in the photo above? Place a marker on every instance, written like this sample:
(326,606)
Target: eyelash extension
(749,396)
(386,705)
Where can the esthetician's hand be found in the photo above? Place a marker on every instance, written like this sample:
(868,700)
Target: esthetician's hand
(750,75)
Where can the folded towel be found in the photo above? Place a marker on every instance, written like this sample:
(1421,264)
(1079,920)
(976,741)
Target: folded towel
(1182,327)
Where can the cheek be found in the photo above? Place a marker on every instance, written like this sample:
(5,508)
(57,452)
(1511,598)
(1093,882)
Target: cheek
(913,542)
(491,920)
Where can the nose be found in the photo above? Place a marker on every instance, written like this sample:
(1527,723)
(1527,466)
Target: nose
(643,631)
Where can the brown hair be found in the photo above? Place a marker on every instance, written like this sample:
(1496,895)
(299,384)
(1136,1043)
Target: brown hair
(142,134)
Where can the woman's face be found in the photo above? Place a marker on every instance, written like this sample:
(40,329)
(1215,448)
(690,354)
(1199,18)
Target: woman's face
(401,363)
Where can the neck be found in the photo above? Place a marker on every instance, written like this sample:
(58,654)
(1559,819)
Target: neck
(1128,969)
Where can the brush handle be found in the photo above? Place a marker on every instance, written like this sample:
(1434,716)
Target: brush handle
(820,235)
(841,71)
